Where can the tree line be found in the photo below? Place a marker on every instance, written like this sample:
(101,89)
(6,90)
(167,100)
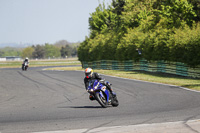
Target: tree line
(61,49)
(49,51)
(154,30)
(8,51)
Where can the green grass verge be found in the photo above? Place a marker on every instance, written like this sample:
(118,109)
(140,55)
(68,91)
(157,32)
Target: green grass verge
(36,63)
(146,76)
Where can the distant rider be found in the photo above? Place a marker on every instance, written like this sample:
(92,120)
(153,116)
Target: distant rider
(26,60)
(89,75)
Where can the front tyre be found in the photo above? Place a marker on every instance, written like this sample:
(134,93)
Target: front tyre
(101,99)
(22,67)
(26,68)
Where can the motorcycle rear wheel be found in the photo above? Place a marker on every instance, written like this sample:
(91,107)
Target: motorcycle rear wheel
(114,102)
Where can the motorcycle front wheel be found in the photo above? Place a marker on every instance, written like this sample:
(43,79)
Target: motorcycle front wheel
(102,99)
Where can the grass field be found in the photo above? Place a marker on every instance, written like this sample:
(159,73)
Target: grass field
(35,63)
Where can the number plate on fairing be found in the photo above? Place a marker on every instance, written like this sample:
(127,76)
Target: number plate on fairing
(103,88)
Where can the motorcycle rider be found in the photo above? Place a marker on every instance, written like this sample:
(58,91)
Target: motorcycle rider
(89,75)
(26,60)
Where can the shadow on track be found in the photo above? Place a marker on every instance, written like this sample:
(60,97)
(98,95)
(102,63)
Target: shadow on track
(81,107)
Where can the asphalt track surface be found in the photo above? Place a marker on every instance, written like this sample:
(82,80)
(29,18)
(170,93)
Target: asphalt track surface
(39,101)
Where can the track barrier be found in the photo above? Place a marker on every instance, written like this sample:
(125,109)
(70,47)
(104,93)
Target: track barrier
(176,68)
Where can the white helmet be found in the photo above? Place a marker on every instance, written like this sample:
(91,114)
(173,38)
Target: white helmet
(88,72)
(26,58)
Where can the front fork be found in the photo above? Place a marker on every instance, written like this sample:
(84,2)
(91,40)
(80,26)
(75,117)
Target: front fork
(103,89)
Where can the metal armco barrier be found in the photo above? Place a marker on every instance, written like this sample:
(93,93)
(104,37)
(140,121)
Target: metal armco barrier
(176,68)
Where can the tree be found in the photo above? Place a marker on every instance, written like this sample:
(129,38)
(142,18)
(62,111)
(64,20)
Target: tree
(196,8)
(51,51)
(27,52)
(39,52)
(156,27)
(9,51)
(2,53)
(74,51)
(177,12)
(61,43)
(97,21)
(118,6)
(66,51)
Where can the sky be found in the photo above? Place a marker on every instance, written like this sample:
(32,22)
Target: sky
(45,21)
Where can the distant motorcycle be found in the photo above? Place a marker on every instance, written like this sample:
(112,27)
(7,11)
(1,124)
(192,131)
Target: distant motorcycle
(24,66)
(102,94)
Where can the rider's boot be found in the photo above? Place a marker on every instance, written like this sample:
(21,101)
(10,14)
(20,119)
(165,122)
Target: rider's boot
(111,91)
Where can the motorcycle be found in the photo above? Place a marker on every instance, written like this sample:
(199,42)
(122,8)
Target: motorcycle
(24,66)
(102,94)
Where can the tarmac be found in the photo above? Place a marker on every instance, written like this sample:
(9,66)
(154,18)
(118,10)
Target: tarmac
(192,126)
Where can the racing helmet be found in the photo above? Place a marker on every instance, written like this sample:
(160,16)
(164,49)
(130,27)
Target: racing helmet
(88,72)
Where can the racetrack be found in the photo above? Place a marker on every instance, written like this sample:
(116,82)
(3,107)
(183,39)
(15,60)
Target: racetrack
(37,100)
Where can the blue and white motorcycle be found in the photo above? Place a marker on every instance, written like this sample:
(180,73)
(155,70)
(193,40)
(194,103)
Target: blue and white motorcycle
(102,94)
(25,66)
